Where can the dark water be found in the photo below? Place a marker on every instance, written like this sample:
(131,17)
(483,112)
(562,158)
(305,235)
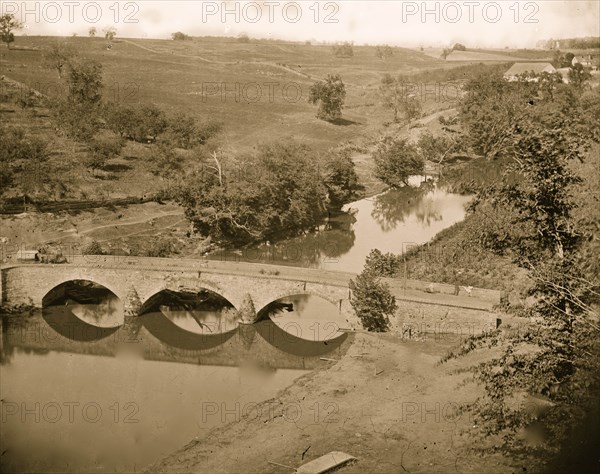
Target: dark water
(391,222)
(84,391)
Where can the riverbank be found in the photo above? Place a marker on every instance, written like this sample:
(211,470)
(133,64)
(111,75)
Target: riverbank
(386,401)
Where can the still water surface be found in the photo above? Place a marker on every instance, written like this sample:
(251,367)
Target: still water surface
(84,392)
(392,221)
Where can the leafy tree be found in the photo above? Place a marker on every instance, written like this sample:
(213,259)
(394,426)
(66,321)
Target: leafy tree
(179,36)
(78,121)
(445,53)
(109,33)
(85,82)
(372,301)
(141,123)
(383,265)
(92,32)
(393,94)
(556,355)
(384,52)
(185,132)
(243,38)
(93,248)
(8,24)
(103,150)
(165,162)
(330,95)
(459,47)
(578,76)
(344,50)
(267,196)
(340,179)
(438,148)
(58,56)
(396,160)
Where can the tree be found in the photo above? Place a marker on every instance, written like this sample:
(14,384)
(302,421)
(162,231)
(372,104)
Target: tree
(340,179)
(578,76)
(396,160)
(142,123)
(412,109)
(103,150)
(383,265)
(392,94)
(109,33)
(243,38)
(445,53)
(384,52)
(344,50)
(438,148)
(556,354)
(85,82)
(179,36)
(272,194)
(58,56)
(92,32)
(330,95)
(8,24)
(186,133)
(372,301)
(459,47)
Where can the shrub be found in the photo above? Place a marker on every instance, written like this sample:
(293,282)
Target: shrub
(372,301)
(93,248)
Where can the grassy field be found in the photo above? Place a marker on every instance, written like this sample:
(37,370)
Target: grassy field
(258,90)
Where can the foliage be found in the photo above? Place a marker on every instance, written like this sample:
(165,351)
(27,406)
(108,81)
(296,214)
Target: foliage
(557,355)
(372,301)
(459,47)
(58,56)
(340,179)
(110,33)
(8,24)
(384,52)
(396,96)
(93,248)
(383,265)
(578,76)
(243,38)
(186,133)
(272,194)
(160,248)
(179,36)
(343,50)
(330,95)
(103,150)
(164,161)
(141,123)
(78,121)
(92,32)
(396,160)
(85,82)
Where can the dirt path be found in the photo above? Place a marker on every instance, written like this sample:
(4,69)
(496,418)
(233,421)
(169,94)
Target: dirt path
(226,63)
(386,402)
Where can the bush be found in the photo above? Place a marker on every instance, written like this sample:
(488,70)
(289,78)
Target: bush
(372,301)
(343,50)
(159,249)
(383,265)
(396,160)
(142,123)
(93,248)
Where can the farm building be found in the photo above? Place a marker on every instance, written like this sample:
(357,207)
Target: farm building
(28,255)
(521,68)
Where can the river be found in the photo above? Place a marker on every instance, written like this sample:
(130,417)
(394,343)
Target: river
(85,390)
(393,221)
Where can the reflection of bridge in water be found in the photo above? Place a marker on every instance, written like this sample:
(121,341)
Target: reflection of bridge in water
(152,336)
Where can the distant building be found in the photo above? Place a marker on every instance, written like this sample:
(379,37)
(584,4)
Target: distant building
(517,69)
(28,255)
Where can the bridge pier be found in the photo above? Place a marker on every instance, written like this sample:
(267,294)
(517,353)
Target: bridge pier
(247,310)
(131,308)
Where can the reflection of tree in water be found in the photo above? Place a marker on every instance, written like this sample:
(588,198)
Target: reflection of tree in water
(332,240)
(395,206)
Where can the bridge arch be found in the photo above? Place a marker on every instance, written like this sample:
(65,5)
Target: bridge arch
(46,292)
(156,290)
(301,292)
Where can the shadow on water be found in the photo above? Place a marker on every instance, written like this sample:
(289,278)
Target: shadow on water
(163,329)
(62,320)
(293,345)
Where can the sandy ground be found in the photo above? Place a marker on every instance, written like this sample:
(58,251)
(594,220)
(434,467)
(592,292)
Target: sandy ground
(386,401)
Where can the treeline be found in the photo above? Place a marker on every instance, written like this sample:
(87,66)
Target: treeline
(589,42)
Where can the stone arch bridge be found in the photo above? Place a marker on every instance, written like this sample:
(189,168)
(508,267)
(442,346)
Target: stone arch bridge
(422,306)
(135,280)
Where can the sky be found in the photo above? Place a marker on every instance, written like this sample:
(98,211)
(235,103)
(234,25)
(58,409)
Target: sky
(488,24)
